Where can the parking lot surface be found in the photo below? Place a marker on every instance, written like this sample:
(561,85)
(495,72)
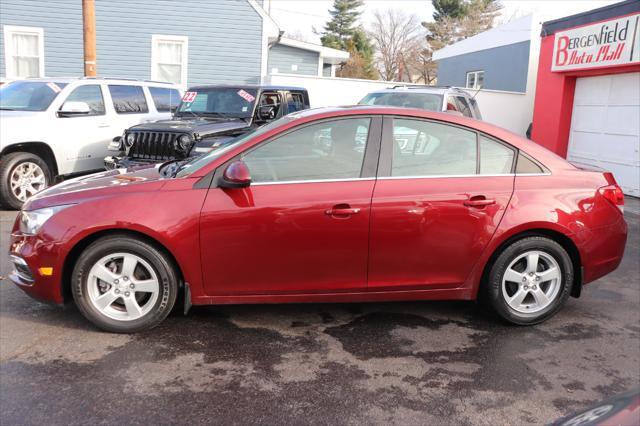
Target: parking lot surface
(380,363)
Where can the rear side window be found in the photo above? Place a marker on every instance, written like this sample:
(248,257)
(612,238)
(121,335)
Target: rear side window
(91,94)
(495,158)
(165,99)
(463,106)
(128,99)
(527,166)
(295,102)
(423,148)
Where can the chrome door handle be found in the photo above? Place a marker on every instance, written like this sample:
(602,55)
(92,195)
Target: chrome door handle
(479,202)
(103,125)
(341,211)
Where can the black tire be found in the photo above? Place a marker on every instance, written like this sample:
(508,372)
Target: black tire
(8,163)
(157,259)
(493,290)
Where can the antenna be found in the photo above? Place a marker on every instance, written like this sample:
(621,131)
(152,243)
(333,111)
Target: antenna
(473,98)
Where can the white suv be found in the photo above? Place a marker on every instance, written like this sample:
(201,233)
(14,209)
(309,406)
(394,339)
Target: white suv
(55,127)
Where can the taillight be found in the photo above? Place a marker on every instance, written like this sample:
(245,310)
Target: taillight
(614,194)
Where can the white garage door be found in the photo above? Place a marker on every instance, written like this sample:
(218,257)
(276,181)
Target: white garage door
(605,127)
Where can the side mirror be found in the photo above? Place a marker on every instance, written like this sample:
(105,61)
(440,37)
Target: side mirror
(236,175)
(73,108)
(267,112)
(173,109)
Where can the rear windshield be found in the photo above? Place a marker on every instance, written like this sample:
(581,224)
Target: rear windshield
(428,101)
(29,95)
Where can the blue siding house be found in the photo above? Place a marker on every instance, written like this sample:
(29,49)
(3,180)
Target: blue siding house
(497,59)
(187,42)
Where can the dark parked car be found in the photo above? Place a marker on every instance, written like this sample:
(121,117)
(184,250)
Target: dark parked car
(325,206)
(207,118)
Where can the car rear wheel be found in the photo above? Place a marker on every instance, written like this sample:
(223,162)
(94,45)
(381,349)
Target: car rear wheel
(22,175)
(530,280)
(124,285)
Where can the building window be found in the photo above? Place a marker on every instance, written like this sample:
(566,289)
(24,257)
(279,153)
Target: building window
(24,51)
(475,79)
(169,59)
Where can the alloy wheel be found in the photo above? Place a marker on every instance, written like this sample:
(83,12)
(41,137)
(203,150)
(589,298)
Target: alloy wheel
(27,179)
(531,282)
(123,286)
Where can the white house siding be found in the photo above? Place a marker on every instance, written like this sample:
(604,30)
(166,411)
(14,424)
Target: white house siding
(61,21)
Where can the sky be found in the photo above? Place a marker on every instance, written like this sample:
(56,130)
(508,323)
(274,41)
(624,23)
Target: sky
(300,17)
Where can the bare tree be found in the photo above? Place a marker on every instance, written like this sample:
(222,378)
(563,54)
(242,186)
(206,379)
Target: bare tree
(397,38)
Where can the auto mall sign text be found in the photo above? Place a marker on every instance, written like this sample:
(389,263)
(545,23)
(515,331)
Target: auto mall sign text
(603,44)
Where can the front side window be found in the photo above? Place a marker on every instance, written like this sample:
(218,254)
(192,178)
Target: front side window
(169,59)
(322,151)
(91,94)
(128,99)
(164,99)
(423,148)
(24,49)
(475,79)
(29,95)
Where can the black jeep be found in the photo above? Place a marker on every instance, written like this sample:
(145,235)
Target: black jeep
(208,117)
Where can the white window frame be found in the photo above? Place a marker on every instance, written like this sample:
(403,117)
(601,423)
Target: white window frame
(475,80)
(155,39)
(9,31)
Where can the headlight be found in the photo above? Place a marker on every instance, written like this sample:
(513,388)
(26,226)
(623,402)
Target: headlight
(184,141)
(32,221)
(131,138)
(115,144)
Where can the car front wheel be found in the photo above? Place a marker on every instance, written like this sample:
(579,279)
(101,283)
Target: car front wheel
(124,285)
(530,280)
(22,175)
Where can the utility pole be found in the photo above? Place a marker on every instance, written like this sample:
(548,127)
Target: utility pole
(89,36)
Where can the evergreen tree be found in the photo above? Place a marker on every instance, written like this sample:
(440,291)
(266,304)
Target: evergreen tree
(342,32)
(449,9)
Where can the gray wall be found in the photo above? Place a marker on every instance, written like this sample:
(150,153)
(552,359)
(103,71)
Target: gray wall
(282,57)
(225,36)
(326,70)
(61,21)
(505,67)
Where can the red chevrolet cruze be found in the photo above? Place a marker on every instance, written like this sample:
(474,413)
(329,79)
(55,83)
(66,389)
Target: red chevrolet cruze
(329,205)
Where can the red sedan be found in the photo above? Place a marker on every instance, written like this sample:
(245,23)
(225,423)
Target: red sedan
(329,205)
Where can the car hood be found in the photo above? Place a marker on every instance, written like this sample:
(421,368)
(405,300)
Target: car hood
(201,126)
(98,185)
(5,114)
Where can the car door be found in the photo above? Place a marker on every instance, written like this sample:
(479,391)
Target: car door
(302,226)
(435,205)
(84,137)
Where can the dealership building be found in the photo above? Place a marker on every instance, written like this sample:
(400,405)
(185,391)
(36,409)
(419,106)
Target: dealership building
(587,101)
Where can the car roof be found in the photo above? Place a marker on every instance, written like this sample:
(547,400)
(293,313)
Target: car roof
(438,90)
(101,79)
(246,86)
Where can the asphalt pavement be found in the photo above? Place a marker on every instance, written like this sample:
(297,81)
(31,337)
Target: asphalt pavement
(440,363)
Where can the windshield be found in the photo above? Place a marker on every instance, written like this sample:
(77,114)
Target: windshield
(199,162)
(29,95)
(428,101)
(221,101)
